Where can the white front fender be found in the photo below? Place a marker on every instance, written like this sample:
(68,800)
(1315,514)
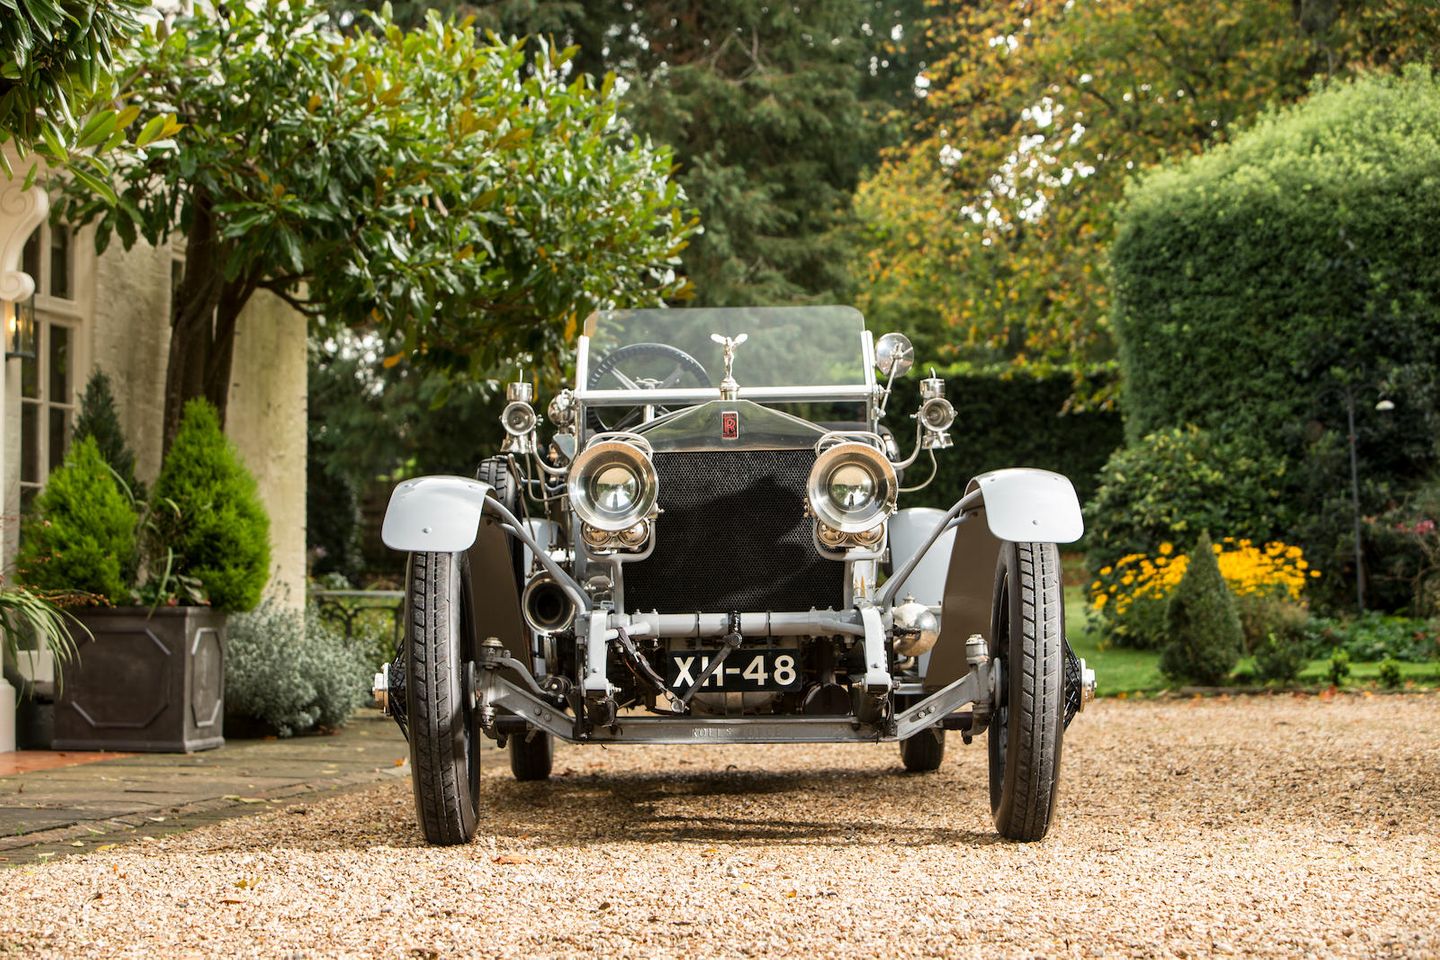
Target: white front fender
(1023,504)
(434,514)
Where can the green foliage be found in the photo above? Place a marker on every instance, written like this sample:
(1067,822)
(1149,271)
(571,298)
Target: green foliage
(1174,483)
(80,534)
(1263,287)
(990,226)
(1338,669)
(56,88)
(1406,555)
(422,182)
(773,111)
(1279,658)
(1017,421)
(1266,617)
(29,621)
(1202,626)
(1389,674)
(208,512)
(99,419)
(1377,636)
(290,671)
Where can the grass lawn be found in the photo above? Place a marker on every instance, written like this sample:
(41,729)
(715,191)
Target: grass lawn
(1121,671)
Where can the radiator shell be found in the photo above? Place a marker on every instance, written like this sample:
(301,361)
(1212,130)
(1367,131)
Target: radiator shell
(733,535)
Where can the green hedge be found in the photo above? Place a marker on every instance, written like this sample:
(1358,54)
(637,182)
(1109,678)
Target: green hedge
(1253,282)
(1005,422)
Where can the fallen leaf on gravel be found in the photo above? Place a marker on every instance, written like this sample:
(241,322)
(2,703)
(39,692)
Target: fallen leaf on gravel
(106,846)
(510,859)
(792,894)
(400,762)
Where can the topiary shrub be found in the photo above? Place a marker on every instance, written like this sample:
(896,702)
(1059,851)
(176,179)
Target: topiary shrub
(99,420)
(1258,284)
(1389,674)
(1176,482)
(1204,629)
(291,672)
(206,509)
(80,534)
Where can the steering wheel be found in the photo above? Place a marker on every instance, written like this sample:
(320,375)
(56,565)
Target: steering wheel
(630,358)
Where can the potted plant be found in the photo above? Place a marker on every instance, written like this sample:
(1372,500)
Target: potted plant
(36,634)
(150,674)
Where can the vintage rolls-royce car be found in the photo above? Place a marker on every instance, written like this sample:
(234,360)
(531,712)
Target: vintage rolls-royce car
(708,547)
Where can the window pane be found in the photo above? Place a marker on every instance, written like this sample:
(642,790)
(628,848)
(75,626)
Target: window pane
(30,377)
(59,364)
(30,261)
(60,263)
(59,435)
(29,443)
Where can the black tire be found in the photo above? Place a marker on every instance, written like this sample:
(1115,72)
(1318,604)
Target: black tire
(924,751)
(532,755)
(1027,638)
(444,741)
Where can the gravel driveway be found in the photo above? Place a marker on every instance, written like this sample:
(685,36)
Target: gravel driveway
(1276,826)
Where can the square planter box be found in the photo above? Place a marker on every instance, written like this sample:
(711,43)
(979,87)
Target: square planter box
(145,682)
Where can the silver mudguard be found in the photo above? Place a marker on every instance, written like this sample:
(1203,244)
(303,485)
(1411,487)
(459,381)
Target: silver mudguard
(1019,505)
(434,514)
(1025,505)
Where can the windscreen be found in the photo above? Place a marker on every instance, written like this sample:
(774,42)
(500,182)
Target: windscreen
(784,347)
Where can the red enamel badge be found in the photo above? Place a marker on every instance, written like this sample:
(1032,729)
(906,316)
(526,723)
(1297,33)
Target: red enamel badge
(729,425)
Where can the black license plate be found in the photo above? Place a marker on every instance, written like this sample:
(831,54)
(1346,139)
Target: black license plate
(743,670)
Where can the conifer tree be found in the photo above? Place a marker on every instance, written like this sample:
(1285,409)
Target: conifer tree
(1203,626)
(100,420)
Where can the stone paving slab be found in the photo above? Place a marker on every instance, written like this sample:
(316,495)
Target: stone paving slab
(49,813)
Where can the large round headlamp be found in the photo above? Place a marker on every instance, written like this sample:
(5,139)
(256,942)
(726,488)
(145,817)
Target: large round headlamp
(612,485)
(852,487)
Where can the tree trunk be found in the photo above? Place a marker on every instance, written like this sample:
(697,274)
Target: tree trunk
(203,319)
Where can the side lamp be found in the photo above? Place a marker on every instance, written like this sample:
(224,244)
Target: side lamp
(20,330)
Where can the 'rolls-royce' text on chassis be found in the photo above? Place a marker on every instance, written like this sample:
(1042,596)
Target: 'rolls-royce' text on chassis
(709,548)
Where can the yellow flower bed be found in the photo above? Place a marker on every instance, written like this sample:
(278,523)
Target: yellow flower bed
(1273,569)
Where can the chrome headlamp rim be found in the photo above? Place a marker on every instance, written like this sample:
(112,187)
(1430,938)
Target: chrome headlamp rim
(882,475)
(527,418)
(597,457)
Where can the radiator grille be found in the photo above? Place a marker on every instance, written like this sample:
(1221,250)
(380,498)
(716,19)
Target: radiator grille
(734,536)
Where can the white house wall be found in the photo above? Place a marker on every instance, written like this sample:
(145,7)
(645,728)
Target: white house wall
(267,407)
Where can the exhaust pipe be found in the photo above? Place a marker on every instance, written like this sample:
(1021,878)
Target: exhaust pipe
(546,606)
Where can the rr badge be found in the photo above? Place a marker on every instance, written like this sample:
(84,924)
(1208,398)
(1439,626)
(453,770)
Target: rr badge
(729,425)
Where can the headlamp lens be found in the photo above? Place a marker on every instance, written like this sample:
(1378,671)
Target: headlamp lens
(852,487)
(614,488)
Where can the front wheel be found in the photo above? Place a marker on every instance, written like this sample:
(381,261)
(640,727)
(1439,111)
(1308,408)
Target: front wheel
(444,743)
(532,755)
(923,752)
(1027,640)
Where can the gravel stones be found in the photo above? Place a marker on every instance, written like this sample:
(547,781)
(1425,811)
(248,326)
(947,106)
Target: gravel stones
(1270,826)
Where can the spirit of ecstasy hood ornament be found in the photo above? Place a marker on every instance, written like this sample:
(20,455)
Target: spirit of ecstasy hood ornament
(729,389)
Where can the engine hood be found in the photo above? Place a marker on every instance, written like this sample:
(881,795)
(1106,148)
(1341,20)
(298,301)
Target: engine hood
(730,425)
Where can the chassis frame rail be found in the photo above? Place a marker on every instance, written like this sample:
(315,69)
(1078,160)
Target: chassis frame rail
(498,692)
